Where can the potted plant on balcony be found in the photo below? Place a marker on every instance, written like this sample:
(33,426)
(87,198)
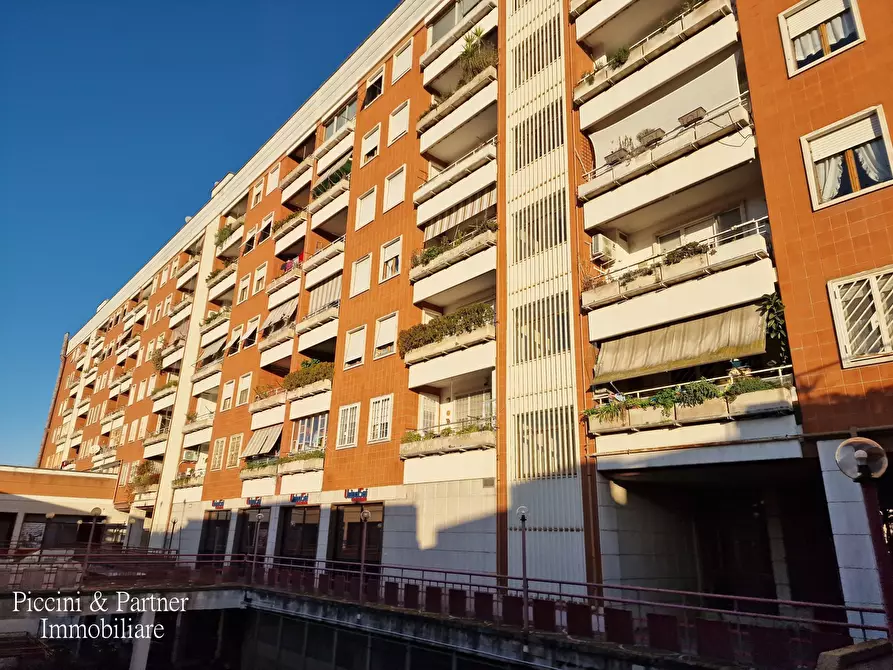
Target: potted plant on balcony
(223,234)
(639,280)
(648,137)
(609,417)
(655,411)
(684,262)
(464,320)
(692,117)
(700,401)
(476,56)
(752,395)
(310,373)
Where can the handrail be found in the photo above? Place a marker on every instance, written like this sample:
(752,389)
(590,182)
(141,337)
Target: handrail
(741,99)
(320,310)
(746,229)
(322,249)
(778,372)
(483,145)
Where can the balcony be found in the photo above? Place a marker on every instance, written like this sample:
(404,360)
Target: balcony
(328,208)
(104,457)
(222,284)
(301,461)
(286,286)
(296,180)
(470,347)
(468,435)
(139,313)
(440,63)
(456,125)
(325,263)
(207,378)
(133,346)
(654,45)
(276,348)
(164,397)
(319,327)
(289,236)
(155,444)
(172,355)
(145,498)
(90,376)
(83,407)
(229,238)
(450,273)
(196,422)
(260,403)
(337,146)
(688,166)
(180,312)
(259,469)
(82,362)
(187,276)
(740,244)
(210,328)
(185,481)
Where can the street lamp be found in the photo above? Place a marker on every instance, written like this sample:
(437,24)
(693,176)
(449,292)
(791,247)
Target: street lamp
(522,517)
(364,518)
(260,517)
(865,461)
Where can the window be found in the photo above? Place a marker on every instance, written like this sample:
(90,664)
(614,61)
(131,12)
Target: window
(815,30)
(310,432)
(369,148)
(249,339)
(390,259)
(366,208)
(164,276)
(260,279)
(473,406)
(142,431)
(131,435)
(152,381)
(348,417)
(124,475)
(235,449)
(702,230)
(141,393)
(385,336)
(175,265)
(344,116)
(257,194)
(233,345)
(429,411)
(374,88)
(217,456)
(266,228)
(402,62)
(167,305)
(244,389)
(355,348)
(244,286)
(380,418)
(226,400)
(848,158)
(157,313)
(862,307)
(398,124)
(444,23)
(542,327)
(273,179)
(394,189)
(249,241)
(360,275)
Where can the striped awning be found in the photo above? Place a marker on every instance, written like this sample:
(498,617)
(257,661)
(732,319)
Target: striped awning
(720,337)
(263,441)
(212,348)
(466,209)
(281,313)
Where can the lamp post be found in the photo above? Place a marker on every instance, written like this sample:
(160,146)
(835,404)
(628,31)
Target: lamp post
(865,461)
(364,518)
(522,517)
(260,517)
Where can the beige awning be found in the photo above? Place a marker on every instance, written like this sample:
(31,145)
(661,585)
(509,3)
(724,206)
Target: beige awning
(212,348)
(721,337)
(281,313)
(263,441)
(460,213)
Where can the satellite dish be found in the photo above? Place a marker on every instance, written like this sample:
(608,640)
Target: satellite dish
(861,459)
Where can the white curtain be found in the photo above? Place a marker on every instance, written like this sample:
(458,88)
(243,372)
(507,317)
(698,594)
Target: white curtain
(873,159)
(808,45)
(840,27)
(829,175)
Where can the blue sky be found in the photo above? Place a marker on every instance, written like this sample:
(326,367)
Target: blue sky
(116,119)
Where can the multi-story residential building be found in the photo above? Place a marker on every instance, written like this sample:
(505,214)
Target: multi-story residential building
(528,254)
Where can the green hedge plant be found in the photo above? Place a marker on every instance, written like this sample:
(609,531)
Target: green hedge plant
(308,375)
(464,320)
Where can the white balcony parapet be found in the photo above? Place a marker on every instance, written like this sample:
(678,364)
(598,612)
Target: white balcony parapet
(456,172)
(322,255)
(454,101)
(450,344)
(274,400)
(306,463)
(330,195)
(468,435)
(286,278)
(192,263)
(263,468)
(738,245)
(466,248)
(330,143)
(156,437)
(652,46)
(293,222)
(187,481)
(164,391)
(222,274)
(206,371)
(307,390)
(194,423)
(214,320)
(234,239)
(181,304)
(296,172)
(277,337)
(319,317)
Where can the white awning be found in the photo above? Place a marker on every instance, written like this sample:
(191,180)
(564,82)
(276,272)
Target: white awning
(281,313)
(234,336)
(263,441)
(213,348)
(461,212)
(249,331)
(721,337)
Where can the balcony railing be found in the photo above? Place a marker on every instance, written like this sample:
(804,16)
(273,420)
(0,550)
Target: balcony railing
(456,171)
(213,319)
(424,340)
(296,172)
(465,435)
(290,270)
(429,260)
(744,395)
(634,161)
(188,480)
(289,223)
(218,275)
(320,256)
(691,260)
(262,467)
(156,436)
(196,422)
(318,317)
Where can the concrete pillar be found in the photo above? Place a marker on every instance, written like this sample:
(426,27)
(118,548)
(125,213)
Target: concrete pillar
(776,547)
(140,654)
(178,639)
(272,534)
(325,515)
(16,530)
(859,578)
(231,534)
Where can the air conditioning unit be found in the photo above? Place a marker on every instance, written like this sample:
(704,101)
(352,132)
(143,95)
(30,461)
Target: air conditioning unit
(603,249)
(190,456)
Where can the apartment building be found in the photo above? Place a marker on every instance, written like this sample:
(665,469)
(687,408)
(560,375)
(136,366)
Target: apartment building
(528,254)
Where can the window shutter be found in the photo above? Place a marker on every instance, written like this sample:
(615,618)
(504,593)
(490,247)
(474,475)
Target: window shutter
(356,345)
(362,273)
(837,141)
(391,251)
(395,189)
(366,209)
(273,179)
(386,331)
(402,62)
(399,122)
(370,141)
(813,15)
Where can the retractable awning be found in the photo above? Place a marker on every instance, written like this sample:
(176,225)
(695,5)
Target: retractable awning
(461,212)
(281,313)
(263,441)
(720,337)
(212,348)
